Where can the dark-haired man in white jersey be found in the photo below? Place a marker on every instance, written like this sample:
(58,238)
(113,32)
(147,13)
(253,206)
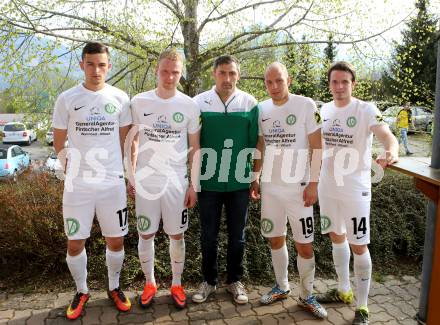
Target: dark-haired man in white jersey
(96,118)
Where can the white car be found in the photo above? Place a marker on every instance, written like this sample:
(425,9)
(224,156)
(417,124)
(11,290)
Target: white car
(49,137)
(15,132)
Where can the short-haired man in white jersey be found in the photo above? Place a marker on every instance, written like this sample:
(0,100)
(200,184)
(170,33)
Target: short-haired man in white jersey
(168,122)
(345,183)
(96,118)
(289,132)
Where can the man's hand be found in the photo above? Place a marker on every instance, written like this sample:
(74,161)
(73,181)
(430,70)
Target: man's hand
(310,194)
(254,190)
(387,158)
(190,197)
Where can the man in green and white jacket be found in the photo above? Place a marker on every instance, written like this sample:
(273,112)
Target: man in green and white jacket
(228,138)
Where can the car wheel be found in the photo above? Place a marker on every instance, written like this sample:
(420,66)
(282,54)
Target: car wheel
(15,176)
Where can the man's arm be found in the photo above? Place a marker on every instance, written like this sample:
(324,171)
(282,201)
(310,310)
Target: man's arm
(310,194)
(390,144)
(194,167)
(123,131)
(134,147)
(59,140)
(257,165)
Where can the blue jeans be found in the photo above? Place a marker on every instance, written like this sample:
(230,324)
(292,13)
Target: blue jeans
(404,138)
(210,206)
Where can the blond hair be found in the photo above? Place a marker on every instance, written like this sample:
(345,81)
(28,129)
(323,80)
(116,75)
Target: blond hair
(170,54)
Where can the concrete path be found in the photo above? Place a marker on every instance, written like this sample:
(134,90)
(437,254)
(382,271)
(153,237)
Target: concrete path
(393,302)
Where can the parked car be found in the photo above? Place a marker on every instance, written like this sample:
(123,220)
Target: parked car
(422,117)
(17,132)
(13,160)
(49,137)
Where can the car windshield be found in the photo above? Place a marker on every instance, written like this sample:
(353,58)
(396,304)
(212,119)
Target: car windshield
(14,127)
(3,153)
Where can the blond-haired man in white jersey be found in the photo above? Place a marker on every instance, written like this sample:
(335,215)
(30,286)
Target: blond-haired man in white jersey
(96,118)
(169,126)
(345,183)
(289,131)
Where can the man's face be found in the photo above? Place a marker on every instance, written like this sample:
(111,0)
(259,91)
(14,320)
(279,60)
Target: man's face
(277,84)
(341,84)
(226,77)
(95,67)
(168,73)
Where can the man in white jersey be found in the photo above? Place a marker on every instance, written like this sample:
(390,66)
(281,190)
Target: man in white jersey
(96,118)
(168,122)
(345,183)
(289,127)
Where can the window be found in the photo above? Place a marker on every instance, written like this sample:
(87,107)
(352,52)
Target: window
(16,151)
(14,127)
(3,153)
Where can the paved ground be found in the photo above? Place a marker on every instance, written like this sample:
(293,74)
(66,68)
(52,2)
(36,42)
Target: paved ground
(394,302)
(419,143)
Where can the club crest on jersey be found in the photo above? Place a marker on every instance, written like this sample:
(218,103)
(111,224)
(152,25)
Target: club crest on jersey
(178,117)
(291,119)
(110,108)
(351,121)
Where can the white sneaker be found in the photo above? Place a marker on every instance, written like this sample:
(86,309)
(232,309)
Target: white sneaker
(238,292)
(203,292)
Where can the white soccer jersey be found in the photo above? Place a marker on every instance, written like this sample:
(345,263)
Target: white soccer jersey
(92,120)
(346,166)
(163,134)
(285,130)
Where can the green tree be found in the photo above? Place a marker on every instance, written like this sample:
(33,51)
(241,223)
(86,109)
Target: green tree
(301,61)
(329,57)
(413,69)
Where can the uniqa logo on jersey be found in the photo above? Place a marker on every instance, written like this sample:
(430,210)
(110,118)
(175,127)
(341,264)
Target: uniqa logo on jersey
(276,127)
(336,126)
(95,115)
(161,123)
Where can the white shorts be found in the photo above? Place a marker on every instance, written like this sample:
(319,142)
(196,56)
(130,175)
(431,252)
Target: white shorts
(346,217)
(279,206)
(169,207)
(107,200)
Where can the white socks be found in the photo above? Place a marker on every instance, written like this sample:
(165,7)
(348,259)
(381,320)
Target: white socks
(362,271)
(306,270)
(341,259)
(78,268)
(114,261)
(146,257)
(280,262)
(177,257)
